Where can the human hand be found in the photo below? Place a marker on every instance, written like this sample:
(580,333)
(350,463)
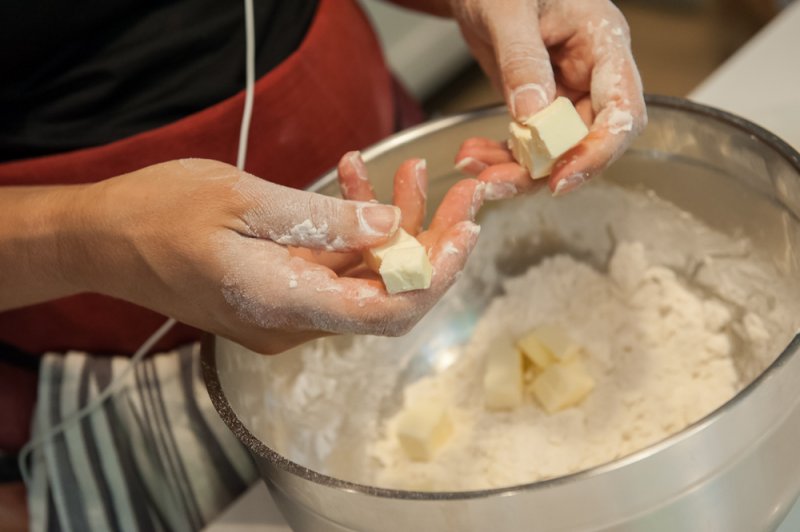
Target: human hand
(534,50)
(459,207)
(209,245)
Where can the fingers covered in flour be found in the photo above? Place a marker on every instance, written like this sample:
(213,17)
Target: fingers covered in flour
(300,296)
(410,188)
(522,57)
(410,192)
(362,305)
(353,178)
(619,117)
(597,67)
(508,180)
(461,203)
(305,219)
(476,154)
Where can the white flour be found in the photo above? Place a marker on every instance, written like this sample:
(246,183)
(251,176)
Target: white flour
(684,317)
(659,353)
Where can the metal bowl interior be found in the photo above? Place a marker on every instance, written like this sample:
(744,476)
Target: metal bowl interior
(728,174)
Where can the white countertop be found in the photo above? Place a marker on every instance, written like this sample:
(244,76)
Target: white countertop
(254,511)
(760,82)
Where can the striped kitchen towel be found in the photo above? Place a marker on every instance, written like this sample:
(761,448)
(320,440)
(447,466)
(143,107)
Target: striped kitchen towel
(155,456)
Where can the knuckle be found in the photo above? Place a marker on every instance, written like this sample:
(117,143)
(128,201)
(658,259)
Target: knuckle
(615,15)
(209,166)
(323,210)
(520,58)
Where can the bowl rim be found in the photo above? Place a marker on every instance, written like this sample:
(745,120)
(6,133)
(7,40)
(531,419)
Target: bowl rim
(256,446)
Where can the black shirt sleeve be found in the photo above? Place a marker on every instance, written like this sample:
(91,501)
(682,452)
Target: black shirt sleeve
(83,73)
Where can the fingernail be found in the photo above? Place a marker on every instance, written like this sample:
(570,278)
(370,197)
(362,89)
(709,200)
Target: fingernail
(358,165)
(527,100)
(568,184)
(498,191)
(477,200)
(471,165)
(422,177)
(378,219)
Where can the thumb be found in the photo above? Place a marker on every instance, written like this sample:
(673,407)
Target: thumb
(523,59)
(305,219)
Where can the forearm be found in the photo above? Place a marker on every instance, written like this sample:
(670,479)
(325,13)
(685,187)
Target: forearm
(41,244)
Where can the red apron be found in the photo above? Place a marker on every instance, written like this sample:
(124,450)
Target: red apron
(332,95)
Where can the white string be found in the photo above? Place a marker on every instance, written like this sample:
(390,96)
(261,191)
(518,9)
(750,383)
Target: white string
(116,383)
(92,405)
(250,76)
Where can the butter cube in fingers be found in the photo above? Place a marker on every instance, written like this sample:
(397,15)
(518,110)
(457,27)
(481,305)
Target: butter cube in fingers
(546,136)
(406,269)
(401,240)
(402,263)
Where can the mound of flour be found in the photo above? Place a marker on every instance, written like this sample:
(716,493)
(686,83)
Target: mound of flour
(659,352)
(675,317)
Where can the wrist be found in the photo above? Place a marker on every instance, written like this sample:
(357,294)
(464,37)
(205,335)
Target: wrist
(89,240)
(68,215)
(37,253)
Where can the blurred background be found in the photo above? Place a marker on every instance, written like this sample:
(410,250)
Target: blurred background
(676,43)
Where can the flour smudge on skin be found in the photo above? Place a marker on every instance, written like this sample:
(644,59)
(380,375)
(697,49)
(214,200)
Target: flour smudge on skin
(304,234)
(617,120)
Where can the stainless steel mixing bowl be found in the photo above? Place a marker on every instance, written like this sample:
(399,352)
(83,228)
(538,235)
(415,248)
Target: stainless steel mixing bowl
(737,469)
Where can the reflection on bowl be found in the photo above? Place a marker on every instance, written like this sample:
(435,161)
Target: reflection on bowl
(698,184)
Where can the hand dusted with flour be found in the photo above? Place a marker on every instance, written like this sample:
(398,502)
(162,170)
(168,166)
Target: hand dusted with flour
(537,50)
(264,265)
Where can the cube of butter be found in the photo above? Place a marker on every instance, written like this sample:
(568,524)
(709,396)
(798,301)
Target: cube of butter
(402,263)
(561,386)
(546,136)
(557,342)
(401,240)
(406,269)
(423,428)
(503,378)
(533,349)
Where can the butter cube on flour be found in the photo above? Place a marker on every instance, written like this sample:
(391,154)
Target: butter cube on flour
(535,351)
(423,428)
(557,342)
(402,263)
(503,378)
(561,386)
(546,136)
(547,345)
